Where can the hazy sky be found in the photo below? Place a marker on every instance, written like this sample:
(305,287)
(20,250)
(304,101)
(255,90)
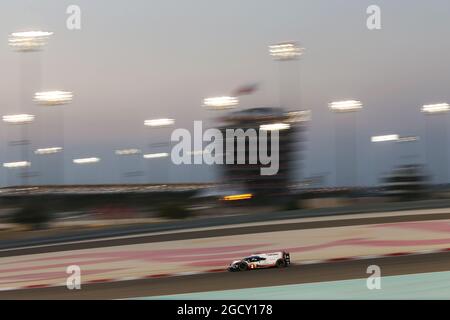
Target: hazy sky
(139,59)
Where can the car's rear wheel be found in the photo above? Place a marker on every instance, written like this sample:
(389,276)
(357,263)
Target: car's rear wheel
(280,263)
(243,267)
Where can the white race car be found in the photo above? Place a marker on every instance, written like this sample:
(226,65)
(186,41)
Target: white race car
(261,260)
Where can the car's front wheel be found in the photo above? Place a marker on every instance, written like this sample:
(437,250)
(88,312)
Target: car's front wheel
(243,266)
(280,263)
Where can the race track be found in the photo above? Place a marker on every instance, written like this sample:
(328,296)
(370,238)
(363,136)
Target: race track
(252,279)
(158,264)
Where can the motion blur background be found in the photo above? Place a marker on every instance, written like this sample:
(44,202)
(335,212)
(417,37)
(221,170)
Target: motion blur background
(85,146)
(138,61)
(151,59)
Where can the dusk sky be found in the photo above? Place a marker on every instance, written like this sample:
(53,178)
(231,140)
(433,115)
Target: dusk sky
(143,59)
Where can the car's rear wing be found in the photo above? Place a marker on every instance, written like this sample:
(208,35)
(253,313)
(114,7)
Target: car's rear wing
(287,257)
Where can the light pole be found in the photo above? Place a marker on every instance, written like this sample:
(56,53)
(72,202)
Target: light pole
(437,111)
(383,139)
(159,124)
(348,158)
(26,42)
(288,53)
(399,141)
(153,156)
(86,162)
(219,105)
(125,154)
(287,56)
(53,131)
(22,121)
(16,165)
(407,155)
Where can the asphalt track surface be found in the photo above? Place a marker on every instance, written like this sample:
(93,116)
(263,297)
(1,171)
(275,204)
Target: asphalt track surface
(222,221)
(343,270)
(224,232)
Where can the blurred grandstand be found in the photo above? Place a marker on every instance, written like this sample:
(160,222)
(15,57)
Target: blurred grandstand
(247,176)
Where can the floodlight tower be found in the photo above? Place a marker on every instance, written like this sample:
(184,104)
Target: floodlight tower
(437,119)
(51,146)
(159,124)
(346,112)
(288,54)
(25,43)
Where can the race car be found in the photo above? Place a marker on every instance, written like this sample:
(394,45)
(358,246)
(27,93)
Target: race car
(261,260)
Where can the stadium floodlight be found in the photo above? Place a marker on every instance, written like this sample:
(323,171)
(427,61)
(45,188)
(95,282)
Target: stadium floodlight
(28,40)
(274,126)
(386,138)
(435,108)
(44,151)
(18,164)
(53,98)
(220,103)
(286,51)
(156,123)
(345,106)
(86,160)
(128,152)
(18,118)
(156,155)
